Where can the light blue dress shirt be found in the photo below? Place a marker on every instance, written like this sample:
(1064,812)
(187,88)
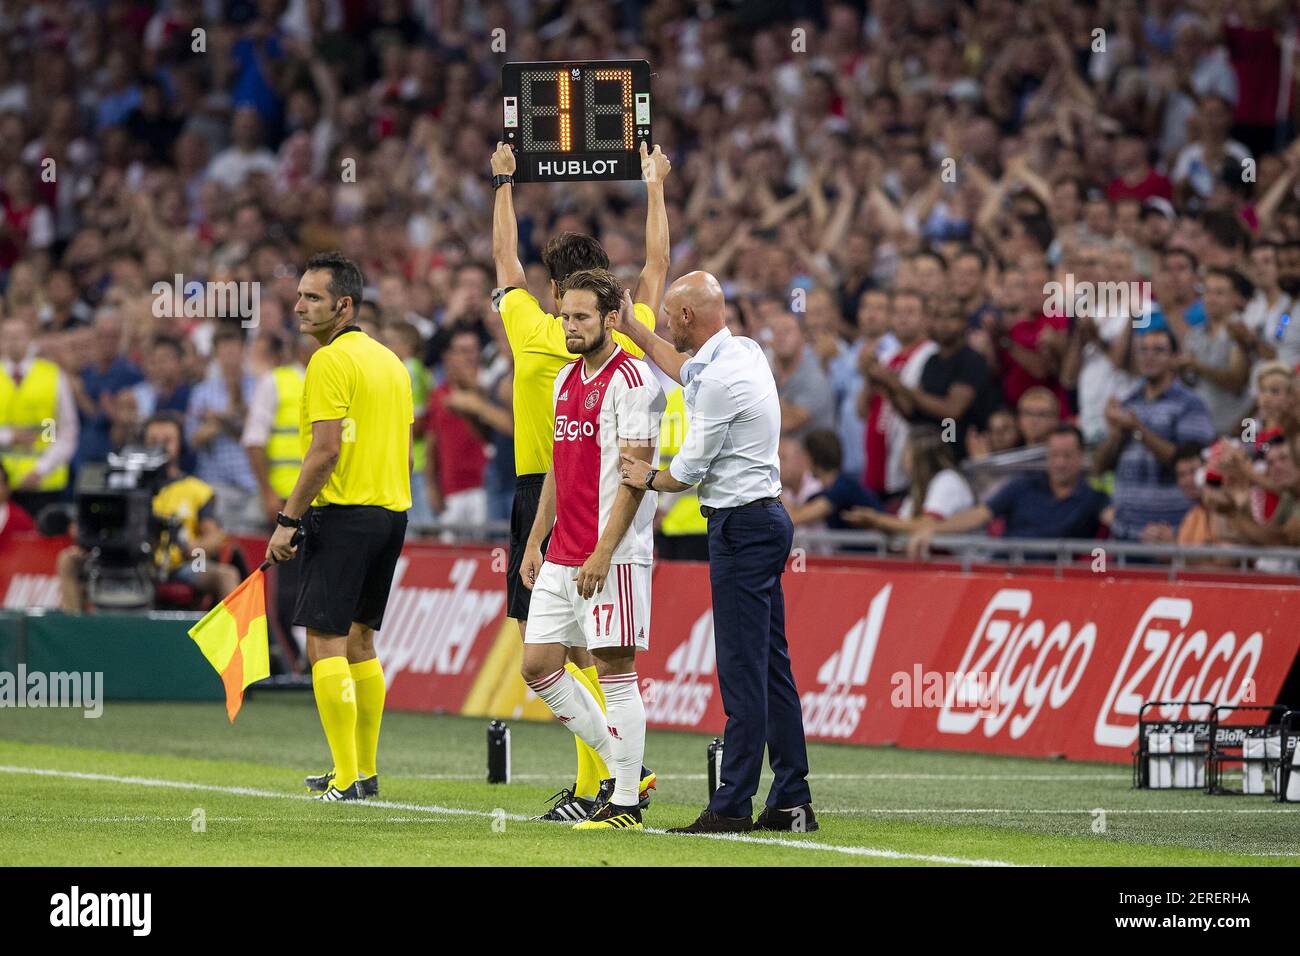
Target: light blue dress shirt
(735,423)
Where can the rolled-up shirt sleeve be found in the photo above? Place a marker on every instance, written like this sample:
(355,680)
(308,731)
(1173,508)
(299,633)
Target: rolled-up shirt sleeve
(714,411)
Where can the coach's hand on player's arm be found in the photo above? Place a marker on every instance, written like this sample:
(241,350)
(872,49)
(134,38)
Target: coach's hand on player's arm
(503,161)
(632,471)
(531,566)
(591,576)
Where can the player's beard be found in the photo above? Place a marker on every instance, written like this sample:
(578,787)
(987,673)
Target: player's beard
(601,341)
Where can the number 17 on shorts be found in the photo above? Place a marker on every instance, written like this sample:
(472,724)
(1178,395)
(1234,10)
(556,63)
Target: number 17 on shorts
(618,615)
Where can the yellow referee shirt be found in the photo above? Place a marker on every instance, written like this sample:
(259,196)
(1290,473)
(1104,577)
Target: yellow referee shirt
(358,380)
(537,341)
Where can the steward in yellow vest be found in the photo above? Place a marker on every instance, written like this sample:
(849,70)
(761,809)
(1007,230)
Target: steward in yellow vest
(271,434)
(28,410)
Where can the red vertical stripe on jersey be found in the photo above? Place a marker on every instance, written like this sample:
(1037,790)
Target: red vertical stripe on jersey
(624,611)
(577,468)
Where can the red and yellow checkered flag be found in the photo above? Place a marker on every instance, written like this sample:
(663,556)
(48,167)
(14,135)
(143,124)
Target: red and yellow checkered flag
(232,636)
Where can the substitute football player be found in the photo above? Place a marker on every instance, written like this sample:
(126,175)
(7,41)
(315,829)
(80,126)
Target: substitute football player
(537,341)
(592,589)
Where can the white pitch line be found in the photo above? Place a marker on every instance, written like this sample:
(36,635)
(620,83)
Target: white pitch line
(861,851)
(1009,810)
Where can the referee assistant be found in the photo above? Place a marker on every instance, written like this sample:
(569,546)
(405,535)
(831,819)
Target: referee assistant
(537,342)
(355,430)
(730,452)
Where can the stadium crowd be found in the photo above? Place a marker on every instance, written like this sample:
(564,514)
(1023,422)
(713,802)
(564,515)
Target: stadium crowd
(887,190)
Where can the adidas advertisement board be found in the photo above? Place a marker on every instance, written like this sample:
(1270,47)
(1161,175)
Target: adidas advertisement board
(985,662)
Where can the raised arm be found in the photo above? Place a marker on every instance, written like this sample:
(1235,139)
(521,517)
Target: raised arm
(650,288)
(656,348)
(505,230)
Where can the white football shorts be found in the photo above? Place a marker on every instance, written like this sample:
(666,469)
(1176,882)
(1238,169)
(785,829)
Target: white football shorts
(618,615)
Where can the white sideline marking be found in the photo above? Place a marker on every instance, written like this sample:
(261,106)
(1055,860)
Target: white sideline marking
(1009,810)
(389,805)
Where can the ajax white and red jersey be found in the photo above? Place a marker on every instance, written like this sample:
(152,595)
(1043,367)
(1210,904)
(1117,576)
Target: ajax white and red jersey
(621,403)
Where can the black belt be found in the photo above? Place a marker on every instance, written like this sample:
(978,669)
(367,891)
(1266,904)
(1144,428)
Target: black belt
(706,510)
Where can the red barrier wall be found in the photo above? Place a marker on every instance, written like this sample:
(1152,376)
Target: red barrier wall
(1056,666)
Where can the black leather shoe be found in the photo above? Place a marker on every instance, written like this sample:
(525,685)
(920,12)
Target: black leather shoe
(799,820)
(710,822)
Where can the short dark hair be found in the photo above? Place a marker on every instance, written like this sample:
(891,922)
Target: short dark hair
(931,254)
(1240,284)
(1186,450)
(1038,228)
(1185,253)
(166,417)
(1166,332)
(603,283)
(571,252)
(824,449)
(916,294)
(971,251)
(1067,429)
(170,342)
(345,277)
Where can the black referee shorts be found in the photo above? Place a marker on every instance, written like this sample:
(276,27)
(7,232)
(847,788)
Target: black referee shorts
(347,558)
(528,494)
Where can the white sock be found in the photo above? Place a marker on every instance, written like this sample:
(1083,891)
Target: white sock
(573,705)
(626,717)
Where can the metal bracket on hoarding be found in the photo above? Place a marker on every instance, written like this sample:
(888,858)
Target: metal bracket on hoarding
(1288,782)
(1172,754)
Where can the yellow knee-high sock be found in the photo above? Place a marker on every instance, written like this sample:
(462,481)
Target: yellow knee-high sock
(368,679)
(336,701)
(591,769)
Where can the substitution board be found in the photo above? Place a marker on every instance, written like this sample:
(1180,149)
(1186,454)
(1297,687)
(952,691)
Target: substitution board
(576,121)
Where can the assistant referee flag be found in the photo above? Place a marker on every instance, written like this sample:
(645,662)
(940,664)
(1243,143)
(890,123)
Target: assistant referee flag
(232,636)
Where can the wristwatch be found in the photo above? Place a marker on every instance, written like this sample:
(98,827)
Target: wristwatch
(650,479)
(284,521)
(499,181)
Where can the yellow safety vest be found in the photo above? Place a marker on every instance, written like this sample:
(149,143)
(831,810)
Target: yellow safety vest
(684,516)
(283,448)
(34,404)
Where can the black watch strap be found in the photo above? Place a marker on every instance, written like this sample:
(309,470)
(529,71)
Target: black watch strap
(284,521)
(650,479)
(499,181)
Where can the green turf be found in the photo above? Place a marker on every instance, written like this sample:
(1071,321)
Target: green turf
(876,806)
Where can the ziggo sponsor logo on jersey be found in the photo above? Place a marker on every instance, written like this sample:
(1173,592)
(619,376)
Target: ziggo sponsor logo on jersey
(571,429)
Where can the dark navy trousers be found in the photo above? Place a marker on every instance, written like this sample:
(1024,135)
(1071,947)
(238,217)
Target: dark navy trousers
(748,548)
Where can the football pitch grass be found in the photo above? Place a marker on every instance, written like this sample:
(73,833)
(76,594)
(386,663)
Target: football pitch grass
(158,784)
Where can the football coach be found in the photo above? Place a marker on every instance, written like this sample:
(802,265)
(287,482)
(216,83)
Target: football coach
(350,500)
(730,452)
